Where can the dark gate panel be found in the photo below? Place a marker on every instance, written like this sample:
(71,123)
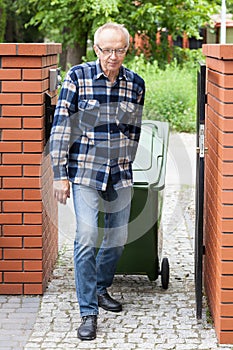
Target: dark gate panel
(49,111)
(199,248)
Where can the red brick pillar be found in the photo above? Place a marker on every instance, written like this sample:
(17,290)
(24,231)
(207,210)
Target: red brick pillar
(218,266)
(28,214)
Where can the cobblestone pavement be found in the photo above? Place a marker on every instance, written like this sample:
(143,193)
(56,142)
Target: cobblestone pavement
(152,318)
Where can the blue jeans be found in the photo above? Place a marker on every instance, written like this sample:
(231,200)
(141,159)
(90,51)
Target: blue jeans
(95,263)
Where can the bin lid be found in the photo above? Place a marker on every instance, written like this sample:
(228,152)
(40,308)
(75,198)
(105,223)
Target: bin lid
(149,166)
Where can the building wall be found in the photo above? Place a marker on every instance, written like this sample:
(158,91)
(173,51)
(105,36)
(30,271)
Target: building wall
(28,213)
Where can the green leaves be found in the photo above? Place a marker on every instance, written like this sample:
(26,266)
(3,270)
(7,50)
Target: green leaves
(69,21)
(170,93)
(147,15)
(2,20)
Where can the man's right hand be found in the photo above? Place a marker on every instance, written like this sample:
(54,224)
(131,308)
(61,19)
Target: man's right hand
(61,190)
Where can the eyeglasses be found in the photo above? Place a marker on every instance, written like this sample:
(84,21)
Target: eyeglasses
(109,52)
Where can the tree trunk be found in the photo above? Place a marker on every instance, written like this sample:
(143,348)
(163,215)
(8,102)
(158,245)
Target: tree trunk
(62,59)
(74,55)
(10,31)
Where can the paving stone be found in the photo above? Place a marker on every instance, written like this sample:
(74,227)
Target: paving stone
(152,318)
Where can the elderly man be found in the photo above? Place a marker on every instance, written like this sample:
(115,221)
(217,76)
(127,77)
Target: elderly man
(93,143)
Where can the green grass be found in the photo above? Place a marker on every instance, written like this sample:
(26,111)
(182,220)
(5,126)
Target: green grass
(170,94)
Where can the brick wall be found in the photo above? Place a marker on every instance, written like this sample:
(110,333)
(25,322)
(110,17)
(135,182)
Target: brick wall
(218,266)
(28,214)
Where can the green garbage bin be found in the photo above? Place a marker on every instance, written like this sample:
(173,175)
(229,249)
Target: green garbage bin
(143,251)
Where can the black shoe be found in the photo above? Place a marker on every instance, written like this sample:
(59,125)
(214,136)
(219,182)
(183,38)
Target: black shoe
(108,303)
(87,329)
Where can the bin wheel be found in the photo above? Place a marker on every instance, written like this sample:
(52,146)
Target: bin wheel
(165,273)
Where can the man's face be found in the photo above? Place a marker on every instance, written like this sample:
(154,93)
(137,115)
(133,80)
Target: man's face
(111,39)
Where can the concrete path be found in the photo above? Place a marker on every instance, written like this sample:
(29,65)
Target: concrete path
(152,318)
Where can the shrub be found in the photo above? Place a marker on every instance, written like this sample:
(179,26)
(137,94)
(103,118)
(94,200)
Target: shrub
(170,93)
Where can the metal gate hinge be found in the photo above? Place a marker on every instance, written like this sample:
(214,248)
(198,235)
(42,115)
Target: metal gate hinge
(202,149)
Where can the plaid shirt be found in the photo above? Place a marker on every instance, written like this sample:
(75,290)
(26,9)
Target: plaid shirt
(96,127)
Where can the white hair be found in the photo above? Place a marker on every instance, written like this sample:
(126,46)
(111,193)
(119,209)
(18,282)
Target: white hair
(115,26)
